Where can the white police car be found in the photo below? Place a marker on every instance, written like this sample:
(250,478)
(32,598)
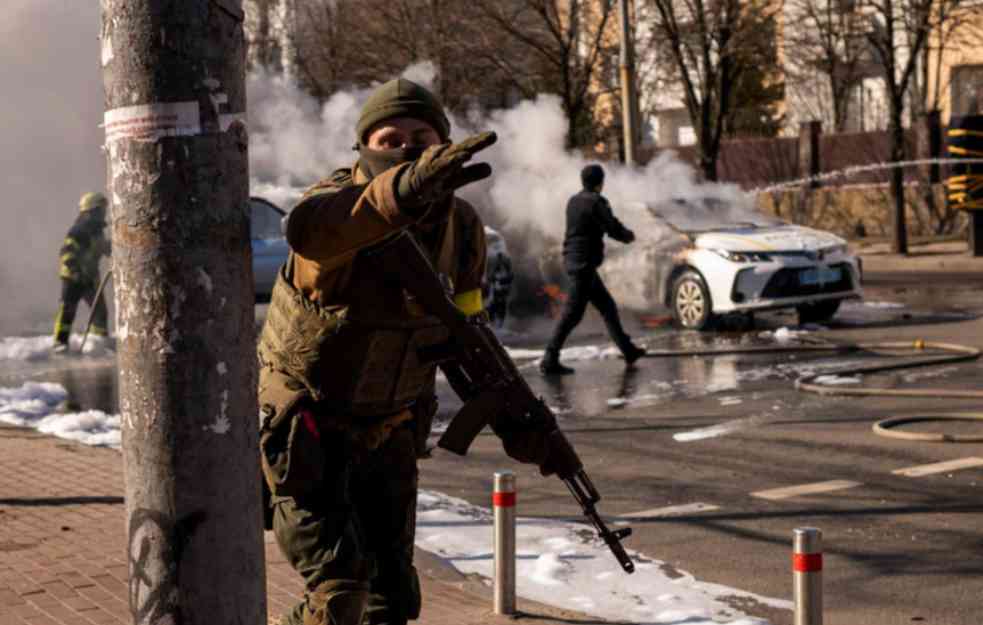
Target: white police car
(725,262)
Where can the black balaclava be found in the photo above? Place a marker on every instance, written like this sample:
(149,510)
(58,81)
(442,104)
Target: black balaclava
(374,162)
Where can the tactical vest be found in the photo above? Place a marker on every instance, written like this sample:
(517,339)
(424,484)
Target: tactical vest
(360,359)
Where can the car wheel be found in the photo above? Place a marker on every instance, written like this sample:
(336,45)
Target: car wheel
(818,311)
(691,305)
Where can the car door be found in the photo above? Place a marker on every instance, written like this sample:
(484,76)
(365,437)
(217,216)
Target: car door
(268,243)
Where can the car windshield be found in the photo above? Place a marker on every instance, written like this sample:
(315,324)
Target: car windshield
(264,220)
(705,214)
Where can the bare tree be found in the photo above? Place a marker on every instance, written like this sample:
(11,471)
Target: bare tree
(899,31)
(955,27)
(825,37)
(708,45)
(341,43)
(567,41)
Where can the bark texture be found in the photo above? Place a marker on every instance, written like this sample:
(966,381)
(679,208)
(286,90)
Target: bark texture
(184,301)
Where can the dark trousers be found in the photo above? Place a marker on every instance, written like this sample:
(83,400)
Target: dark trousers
(586,287)
(71,292)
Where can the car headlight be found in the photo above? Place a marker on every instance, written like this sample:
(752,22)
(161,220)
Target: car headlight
(836,250)
(743,257)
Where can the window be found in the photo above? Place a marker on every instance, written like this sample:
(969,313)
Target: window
(967,90)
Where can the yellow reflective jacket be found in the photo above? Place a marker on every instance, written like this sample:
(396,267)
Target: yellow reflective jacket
(84,246)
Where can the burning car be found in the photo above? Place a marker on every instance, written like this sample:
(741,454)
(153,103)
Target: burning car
(731,260)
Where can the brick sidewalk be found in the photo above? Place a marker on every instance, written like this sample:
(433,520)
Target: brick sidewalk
(63,554)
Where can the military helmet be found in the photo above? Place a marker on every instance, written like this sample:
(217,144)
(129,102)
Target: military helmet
(402,98)
(90,201)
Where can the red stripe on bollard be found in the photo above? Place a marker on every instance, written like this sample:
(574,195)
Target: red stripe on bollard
(807,562)
(503,500)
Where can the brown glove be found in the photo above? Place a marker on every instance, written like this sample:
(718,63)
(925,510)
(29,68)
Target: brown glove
(440,170)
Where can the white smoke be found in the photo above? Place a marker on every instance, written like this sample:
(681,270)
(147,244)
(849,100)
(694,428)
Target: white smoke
(294,141)
(50,112)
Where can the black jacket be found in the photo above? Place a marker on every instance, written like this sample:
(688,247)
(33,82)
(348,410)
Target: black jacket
(589,218)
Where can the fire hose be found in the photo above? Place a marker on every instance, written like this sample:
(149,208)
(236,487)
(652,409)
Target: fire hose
(952,353)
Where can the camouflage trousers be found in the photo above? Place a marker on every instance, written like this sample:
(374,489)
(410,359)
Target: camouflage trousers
(352,538)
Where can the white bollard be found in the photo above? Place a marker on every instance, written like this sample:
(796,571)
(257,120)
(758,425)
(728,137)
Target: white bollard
(503,500)
(807,575)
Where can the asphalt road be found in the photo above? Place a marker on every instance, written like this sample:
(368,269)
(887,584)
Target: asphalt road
(710,433)
(898,549)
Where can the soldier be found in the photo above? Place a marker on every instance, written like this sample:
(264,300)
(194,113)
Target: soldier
(589,218)
(84,246)
(345,403)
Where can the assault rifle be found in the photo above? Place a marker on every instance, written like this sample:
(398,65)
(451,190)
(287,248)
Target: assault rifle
(483,375)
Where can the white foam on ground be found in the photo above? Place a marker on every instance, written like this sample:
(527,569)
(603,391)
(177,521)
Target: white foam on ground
(570,354)
(35,348)
(557,564)
(35,405)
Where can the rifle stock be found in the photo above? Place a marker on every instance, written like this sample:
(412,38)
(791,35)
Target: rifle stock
(481,372)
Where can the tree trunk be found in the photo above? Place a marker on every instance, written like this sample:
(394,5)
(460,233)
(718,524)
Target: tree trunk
(900,242)
(707,155)
(178,182)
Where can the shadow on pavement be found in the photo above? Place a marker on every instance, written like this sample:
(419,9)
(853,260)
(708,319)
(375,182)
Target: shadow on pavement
(58,501)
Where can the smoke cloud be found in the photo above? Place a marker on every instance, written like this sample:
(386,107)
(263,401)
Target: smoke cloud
(53,106)
(50,113)
(294,141)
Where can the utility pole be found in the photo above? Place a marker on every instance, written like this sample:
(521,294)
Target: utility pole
(174,74)
(627,67)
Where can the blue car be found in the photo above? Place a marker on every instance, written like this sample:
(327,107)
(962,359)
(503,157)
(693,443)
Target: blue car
(269,245)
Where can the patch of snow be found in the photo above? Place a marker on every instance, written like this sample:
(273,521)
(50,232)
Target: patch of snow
(558,564)
(38,348)
(836,380)
(27,348)
(883,304)
(708,432)
(35,405)
(931,373)
(617,402)
(570,354)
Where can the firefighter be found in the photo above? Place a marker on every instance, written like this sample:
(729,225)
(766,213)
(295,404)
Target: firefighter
(83,248)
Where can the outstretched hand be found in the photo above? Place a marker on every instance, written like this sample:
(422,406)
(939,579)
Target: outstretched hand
(441,170)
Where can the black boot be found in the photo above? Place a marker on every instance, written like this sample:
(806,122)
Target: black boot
(632,353)
(550,364)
